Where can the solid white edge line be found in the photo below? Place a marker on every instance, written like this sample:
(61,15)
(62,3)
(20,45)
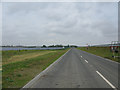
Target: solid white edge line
(106,80)
(86,61)
(30,83)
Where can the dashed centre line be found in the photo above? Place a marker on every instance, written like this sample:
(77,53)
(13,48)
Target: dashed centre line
(86,61)
(106,80)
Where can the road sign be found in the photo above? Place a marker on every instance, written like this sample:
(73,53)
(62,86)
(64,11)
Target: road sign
(114,47)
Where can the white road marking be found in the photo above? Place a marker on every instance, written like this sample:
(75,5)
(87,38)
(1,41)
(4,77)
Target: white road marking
(106,80)
(81,56)
(86,61)
(102,58)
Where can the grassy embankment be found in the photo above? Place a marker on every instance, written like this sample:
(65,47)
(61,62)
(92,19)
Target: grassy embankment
(101,51)
(19,67)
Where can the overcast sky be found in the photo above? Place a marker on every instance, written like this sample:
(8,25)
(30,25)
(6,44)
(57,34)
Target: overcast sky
(59,23)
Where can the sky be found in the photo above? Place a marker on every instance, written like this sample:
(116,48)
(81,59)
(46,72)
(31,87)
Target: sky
(51,23)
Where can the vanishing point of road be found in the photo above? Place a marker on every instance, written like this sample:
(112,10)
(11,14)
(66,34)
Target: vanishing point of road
(78,69)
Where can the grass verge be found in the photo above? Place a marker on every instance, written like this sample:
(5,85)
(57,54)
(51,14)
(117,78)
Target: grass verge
(101,51)
(19,56)
(17,74)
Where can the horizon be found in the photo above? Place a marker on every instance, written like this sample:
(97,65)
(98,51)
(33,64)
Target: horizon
(60,44)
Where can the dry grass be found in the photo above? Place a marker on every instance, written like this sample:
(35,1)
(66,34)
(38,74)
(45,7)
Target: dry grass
(16,75)
(23,57)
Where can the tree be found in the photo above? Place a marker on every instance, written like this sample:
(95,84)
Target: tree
(44,46)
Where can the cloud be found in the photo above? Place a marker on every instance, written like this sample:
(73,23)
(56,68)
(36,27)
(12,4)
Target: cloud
(59,23)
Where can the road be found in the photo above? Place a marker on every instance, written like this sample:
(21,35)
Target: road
(79,69)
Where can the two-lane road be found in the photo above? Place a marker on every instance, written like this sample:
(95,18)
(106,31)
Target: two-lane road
(79,69)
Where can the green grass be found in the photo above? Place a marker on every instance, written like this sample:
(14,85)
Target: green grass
(17,74)
(101,51)
(10,53)
(15,56)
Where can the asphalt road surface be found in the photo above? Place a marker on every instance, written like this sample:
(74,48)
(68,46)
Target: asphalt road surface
(79,69)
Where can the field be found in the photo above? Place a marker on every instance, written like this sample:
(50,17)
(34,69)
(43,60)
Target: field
(19,67)
(101,51)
